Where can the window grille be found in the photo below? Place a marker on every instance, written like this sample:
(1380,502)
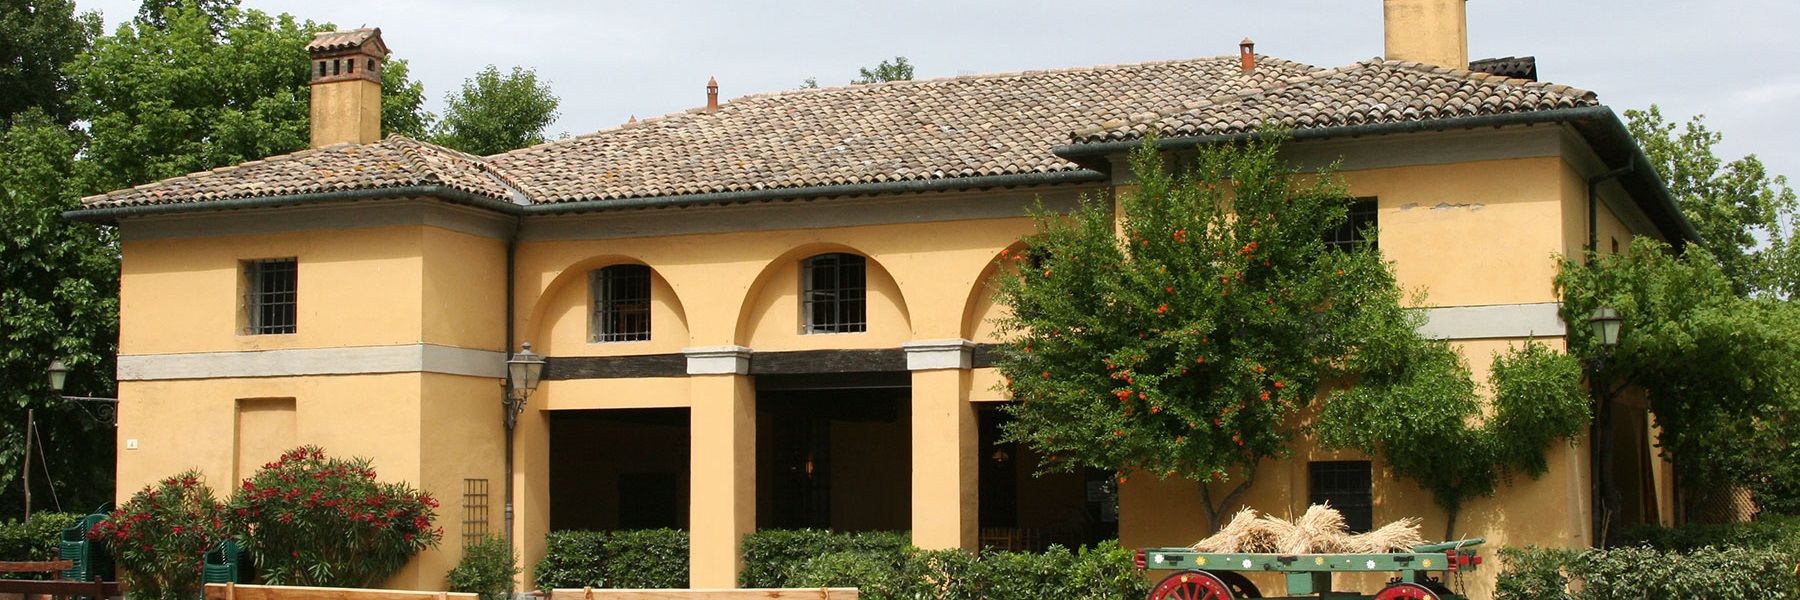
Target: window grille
(270,294)
(475,510)
(834,294)
(1350,234)
(1348,485)
(621,304)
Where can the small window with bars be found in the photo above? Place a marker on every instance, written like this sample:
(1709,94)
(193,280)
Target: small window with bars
(1348,485)
(475,510)
(1350,235)
(270,292)
(621,304)
(834,293)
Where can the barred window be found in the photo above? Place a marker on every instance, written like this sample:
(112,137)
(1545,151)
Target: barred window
(1350,234)
(621,304)
(270,291)
(834,293)
(1349,486)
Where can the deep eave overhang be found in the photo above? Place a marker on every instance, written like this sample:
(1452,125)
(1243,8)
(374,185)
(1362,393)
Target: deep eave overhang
(1599,125)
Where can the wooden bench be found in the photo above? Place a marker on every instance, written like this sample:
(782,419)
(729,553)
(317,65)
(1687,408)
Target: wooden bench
(232,591)
(739,594)
(55,586)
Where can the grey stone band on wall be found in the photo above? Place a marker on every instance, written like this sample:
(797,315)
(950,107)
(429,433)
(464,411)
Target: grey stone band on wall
(1493,321)
(718,360)
(939,354)
(354,360)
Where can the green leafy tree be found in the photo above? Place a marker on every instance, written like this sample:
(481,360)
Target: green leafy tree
(1423,415)
(163,101)
(36,38)
(58,299)
(154,13)
(403,102)
(1719,370)
(1738,207)
(1183,342)
(895,70)
(497,112)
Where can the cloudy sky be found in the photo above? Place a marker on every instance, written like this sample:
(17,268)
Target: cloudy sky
(1731,60)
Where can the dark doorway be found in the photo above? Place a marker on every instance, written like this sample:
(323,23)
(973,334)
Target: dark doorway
(1024,511)
(834,452)
(619,469)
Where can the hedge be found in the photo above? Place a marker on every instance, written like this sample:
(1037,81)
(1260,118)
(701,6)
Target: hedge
(1642,572)
(34,539)
(772,557)
(1774,532)
(636,559)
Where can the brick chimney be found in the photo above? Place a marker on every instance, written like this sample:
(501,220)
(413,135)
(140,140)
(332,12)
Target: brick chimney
(712,94)
(1434,32)
(1247,55)
(346,86)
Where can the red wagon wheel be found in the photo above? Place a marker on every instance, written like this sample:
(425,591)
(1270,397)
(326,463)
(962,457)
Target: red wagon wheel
(1191,585)
(1399,591)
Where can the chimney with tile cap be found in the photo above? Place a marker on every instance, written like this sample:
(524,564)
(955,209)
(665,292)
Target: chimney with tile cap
(1247,55)
(1434,32)
(712,94)
(345,69)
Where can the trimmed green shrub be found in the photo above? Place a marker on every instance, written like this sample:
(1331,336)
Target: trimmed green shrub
(771,557)
(634,559)
(159,536)
(1774,532)
(1640,572)
(487,568)
(876,576)
(35,538)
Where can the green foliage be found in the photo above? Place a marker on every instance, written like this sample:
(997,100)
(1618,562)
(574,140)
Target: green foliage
(1736,206)
(36,38)
(1639,572)
(402,102)
(883,572)
(1719,370)
(33,539)
(1423,417)
(772,556)
(310,520)
(58,298)
(1772,532)
(895,70)
(1184,348)
(487,568)
(159,537)
(495,113)
(154,13)
(634,559)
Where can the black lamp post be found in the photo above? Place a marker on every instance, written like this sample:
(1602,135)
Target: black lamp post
(59,376)
(523,371)
(1604,323)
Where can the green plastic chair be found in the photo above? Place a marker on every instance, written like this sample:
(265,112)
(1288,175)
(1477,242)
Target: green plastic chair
(222,564)
(91,560)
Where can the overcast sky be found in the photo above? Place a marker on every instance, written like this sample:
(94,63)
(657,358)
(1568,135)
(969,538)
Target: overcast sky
(1732,60)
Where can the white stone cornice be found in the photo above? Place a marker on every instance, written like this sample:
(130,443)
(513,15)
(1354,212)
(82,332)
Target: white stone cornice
(1493,321)
(924,355)
(718,360)
(293,362)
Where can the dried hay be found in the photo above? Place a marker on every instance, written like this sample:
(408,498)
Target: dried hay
(1320,530)
(1398,536)
(1229,537)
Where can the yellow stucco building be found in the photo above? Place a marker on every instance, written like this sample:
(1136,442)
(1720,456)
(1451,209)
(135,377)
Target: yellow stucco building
(774,311)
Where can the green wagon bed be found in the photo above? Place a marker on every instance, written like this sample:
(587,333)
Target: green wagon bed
(1220,575)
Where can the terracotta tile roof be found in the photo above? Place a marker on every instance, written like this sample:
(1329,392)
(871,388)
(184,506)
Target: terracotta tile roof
(940,129)
(391,163)
(1369,92)
(341,40)
(1520,67)
(997,124)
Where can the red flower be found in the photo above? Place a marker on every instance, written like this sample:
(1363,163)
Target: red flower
(1162,310)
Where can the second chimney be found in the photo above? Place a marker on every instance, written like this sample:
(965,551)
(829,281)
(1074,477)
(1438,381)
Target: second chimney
(1434,32)
(1247,55)
(712,94)
(346,86)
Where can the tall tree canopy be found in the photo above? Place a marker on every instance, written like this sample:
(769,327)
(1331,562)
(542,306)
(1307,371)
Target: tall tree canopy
(895,70)
(37,37)
(495,113)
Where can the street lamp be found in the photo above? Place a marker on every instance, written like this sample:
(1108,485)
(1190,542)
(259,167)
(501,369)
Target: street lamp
(523,371)
(59,374)
(1604,323)
(59,377)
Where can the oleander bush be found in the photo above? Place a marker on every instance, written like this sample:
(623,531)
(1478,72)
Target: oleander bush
(634,559)
(1645,573)
(311,520)
(487,568)
(159,537)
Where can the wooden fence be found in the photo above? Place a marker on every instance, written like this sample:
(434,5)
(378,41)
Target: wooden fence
(232,591)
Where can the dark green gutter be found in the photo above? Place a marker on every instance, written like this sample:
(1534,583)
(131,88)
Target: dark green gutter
(114,213)
(1599,124)
(849,189)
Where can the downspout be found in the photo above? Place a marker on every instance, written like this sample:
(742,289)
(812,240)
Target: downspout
(1600,430)
(509,419)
